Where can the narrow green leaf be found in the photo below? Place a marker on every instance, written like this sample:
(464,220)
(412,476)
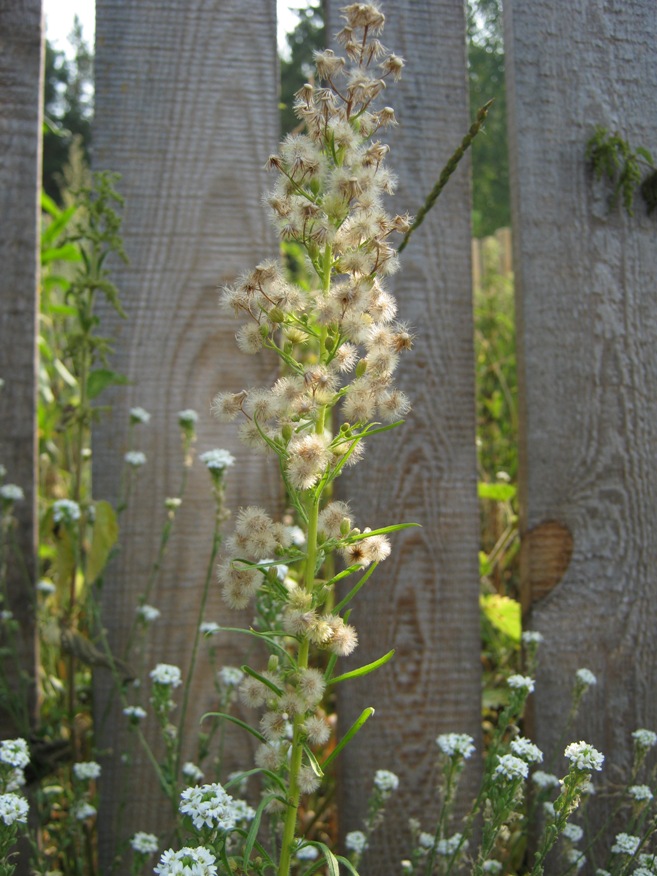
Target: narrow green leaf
(364,670)
(66,253)
(393,528)
(262,680)
(332,866)
(263,638)
(349,735)
(237,721)
(314,763)
(48,205)
(347,863)
(68,378)
(101,378)
(354,590)
(254,772)
(253,831)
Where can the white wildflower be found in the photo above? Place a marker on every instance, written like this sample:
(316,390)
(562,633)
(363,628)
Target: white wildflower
(573,832)
(426,840)
(511,767)
(576,858)
(525,749)
(191,772)
(139,415)
(86,770)
(451,845)
(492,866)
(456,745)
(296,535)
(166,674)
(521,682)
(545,780)
(640,793)
(584,756)
(212,806)
(644,739)
(217,460)
(626,844)
(45,587)
(15,752)
(172,503)
(306,853)
(230,676)
(11,493)
(209,628)
(548,809)
(148,613)
(135,713)
(648,861)
(65,510)
(386,781)
(532,637)
(356,841)
(187,862)
(585,677)
(144,843)
(13,809)
(135,458)
(187,418)
(83,810)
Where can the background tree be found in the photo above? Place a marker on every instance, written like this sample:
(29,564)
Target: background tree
(308,35)
(68,107)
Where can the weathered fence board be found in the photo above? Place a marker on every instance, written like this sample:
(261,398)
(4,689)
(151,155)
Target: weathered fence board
(587,322)
(186,111)
(20,181)
(424,599)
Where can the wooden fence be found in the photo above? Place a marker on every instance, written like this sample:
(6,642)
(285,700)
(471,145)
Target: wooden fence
(186,98)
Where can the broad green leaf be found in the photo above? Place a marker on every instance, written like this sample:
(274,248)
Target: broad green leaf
(66,253)
(105,534)
(485,565)
(101,378)
(496,492)
(503,613)
(49,206)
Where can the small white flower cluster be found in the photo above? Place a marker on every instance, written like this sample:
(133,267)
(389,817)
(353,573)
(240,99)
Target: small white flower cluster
(386,781)
(230,676)
(65,511)
(135,713)
(13,809)
(644,739)
(511,768)
(208,628)
(11,493)
(135,458)
(526,750)
(576,858)
(545,780)
(458,745)
(148,613)
(449,846)
(188,418)
(217,460)
(85,771)
(573,832)
(187,862)
(211,806)
(626,844)
(191,772)
(649,861)
(521,682)
(356,841)
(144,843)
(584,756)
(640,793)
(492,866)
(15,752)
(531,637)
(585,678)
(139,415)
(46,587)
(306,853)
(82,810)
(167,675)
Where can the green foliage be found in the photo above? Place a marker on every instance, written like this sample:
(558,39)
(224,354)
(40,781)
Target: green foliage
(628,170)
(68,108)
(491,208)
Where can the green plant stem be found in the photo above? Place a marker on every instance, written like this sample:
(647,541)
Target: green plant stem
(216,541)
(446,172)
(290,823)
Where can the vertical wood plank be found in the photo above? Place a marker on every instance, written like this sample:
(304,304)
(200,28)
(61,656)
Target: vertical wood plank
(424,600)
(587,322)
(21,34)
(186,111)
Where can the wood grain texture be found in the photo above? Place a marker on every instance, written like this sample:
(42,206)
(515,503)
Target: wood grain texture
(587,322)
(20,182)
(186,111)
(423,601)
